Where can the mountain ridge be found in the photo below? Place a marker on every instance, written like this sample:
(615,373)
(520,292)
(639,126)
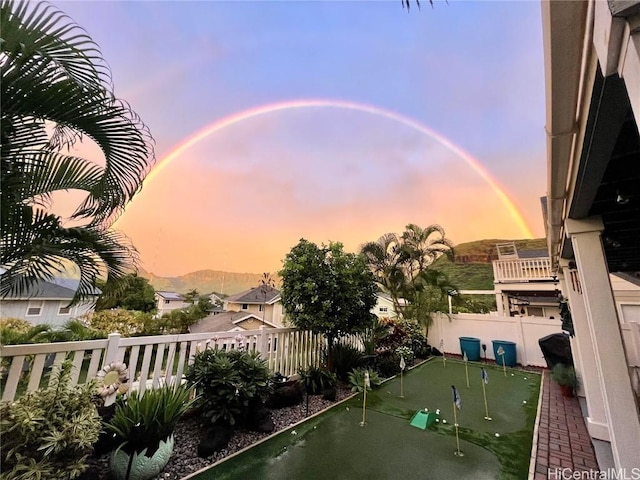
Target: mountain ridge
(470,270)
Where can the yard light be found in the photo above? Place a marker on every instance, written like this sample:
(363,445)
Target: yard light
(451,293)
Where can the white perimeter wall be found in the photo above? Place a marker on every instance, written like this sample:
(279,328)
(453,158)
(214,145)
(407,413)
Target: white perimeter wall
(524,331)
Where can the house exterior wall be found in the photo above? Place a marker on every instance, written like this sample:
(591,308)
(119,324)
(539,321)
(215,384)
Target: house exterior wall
(272,313)
(49,313)
(164,307)
(384,308)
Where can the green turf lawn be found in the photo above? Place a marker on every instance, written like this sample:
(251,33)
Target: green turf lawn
(334,446)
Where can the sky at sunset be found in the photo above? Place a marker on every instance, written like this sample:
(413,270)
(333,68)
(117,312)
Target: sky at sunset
(332,121)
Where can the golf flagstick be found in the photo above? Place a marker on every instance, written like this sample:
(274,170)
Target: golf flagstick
(367,383)
(485,381)
(457,405)
(444,360)
(403,365)
(466,366)
(501,353)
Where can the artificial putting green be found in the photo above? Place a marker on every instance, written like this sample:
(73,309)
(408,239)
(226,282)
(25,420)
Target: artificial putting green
(334,446)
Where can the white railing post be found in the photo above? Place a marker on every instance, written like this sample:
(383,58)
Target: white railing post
(263,343)
(111,352)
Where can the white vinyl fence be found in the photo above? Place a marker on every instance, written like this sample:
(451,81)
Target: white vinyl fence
(524,331)
(152,360)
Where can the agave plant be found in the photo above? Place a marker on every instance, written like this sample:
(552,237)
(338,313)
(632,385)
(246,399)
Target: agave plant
(142,422)
(55,90)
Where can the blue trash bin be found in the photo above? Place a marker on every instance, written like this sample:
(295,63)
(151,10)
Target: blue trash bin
(471,345)
(509,352)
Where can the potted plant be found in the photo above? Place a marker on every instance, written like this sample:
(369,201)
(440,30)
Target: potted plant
(144,427)
(565,376)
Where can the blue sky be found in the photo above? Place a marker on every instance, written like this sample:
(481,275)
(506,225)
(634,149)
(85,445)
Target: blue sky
(471,71)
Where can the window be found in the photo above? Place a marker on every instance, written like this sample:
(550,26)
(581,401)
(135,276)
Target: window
(245,306)
(260,308)
(64,309)
(383,309)
(167,302)
(34,308)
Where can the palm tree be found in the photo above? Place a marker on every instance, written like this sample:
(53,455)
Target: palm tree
(421,247)
(55,90)
(428,295)
(385,258)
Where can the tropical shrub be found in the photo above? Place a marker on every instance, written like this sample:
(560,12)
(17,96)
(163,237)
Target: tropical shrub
(16,333)
(345,359)
(10,335)
(388,365)
(228,380)
(357,379)
(404,333)
(373,335)
(126,322)
(141,422)
(48,433)
(564,375)
(318,379)
(17,324)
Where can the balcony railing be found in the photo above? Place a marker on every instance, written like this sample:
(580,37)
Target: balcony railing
(522,270)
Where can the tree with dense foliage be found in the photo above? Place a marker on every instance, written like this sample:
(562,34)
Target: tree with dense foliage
(56,89)
(135,293)
(125,322)
(327,291)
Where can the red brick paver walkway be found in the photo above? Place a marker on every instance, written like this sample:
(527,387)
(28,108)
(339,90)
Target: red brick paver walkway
(563,440)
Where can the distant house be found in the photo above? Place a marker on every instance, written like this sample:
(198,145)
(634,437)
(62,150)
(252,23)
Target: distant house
(384,307)
(264,302)
(215,299)
(230,322)
(47,303)
(168,301)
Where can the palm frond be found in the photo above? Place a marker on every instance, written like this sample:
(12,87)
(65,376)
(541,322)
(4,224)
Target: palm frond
(51,71)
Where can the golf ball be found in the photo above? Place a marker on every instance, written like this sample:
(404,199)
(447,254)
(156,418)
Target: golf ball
(444,421)
(524,401)
(497,434)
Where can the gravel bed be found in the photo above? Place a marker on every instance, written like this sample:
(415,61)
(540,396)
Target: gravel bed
(187,434)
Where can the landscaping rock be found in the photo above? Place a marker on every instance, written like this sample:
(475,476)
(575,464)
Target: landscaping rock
(287,396)
(215,440)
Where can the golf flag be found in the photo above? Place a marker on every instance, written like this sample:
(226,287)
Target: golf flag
(456,397)
(367,381)
(485,377)
(464,357)
(403,365)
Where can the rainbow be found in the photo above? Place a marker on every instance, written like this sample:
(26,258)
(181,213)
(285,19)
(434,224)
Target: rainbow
(231,120)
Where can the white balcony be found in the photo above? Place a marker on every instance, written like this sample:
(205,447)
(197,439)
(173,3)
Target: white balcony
(522,270)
